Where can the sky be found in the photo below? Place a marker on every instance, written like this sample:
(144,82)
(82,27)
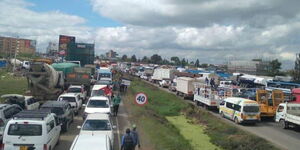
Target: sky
(213,31)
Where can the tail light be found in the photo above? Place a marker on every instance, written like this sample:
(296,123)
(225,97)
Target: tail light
(45,147)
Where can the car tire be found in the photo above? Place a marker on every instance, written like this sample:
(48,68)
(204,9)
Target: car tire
(66,127)
(72,119)
(58,141)
(222,114)
(283,124)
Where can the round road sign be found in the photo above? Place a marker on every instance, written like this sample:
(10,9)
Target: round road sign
(141,99)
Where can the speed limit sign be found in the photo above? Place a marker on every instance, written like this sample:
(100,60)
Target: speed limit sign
(141,99)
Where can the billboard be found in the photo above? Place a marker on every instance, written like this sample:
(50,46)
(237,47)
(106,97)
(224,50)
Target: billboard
(64,40)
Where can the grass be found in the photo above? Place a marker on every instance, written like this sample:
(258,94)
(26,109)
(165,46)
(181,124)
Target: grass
(192,132)
(165,135)
(12,85)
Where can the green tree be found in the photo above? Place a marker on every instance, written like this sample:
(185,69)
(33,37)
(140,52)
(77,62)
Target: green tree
(275,67)
(176,60)
(203,65)
(296,71)
(145,59)
(124,58)
(183,62)
(133,58)
(197,63)
(156,59)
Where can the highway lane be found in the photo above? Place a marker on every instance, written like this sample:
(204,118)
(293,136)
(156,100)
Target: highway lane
(287,139)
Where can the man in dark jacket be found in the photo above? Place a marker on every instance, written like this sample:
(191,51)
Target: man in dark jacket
(127,141)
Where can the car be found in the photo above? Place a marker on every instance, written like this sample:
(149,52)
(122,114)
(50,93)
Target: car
(25,102)
(32,129)
(97,104)
(63,111)
(7,111)
(85,141)
(103,82)
(74,99)
(78,89)
(98,124)
(98,90)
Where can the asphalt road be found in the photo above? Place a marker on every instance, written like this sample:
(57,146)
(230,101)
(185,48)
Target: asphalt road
(287,139)
(121,121)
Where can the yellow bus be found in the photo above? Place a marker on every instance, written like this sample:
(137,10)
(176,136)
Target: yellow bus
(240,110)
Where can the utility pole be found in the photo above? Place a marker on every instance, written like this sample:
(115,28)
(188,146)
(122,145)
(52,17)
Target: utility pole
(15,57)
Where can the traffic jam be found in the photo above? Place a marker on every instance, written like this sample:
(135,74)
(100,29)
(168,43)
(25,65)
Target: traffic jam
(37,122)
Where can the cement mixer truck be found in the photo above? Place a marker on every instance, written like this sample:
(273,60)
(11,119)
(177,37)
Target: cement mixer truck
(44,82)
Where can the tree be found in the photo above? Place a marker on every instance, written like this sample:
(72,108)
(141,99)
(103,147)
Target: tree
(124,58)
(203,65)
(296,71)
(156,59)
(197,63)
(176,60)
(145,59)
(183,62)
(165,62)
(133,58)
(275,67)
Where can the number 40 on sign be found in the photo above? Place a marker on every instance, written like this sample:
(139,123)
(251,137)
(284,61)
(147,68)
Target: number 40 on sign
(141,99)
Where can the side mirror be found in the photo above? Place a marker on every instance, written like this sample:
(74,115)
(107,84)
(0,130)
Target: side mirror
(114,126)
(78,127)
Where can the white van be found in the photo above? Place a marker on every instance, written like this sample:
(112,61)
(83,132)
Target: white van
(240,110)
(91,142)
(36,129)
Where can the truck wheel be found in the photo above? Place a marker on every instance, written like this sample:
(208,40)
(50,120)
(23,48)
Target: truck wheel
(283,124)
(222,114)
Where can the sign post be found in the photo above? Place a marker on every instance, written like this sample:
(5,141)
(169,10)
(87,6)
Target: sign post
(141,99)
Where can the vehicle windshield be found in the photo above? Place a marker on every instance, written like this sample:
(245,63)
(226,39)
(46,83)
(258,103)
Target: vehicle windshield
(96,125)
(103,82)
(97,93)
(74,90)
(56,110)
(98,104)
(68,99)
(25,130)
(104,75)
(251,109)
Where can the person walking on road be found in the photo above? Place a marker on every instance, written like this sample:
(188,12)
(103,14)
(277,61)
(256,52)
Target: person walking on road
(135,136)
(116,102)
(127,141)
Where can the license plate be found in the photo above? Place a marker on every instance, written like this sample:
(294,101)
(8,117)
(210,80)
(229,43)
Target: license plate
(23,148)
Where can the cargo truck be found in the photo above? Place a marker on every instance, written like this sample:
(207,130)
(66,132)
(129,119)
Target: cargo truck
(185,87)
(288,115)
(268,102)
(159,74)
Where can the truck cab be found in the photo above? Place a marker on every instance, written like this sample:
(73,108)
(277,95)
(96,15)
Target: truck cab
(268,102)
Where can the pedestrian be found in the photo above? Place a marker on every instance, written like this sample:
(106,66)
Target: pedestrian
(127,141)
(116,102)
(135,136)
(206,80)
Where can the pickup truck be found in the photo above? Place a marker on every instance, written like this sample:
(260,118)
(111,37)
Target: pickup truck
(288,115)
(25,102)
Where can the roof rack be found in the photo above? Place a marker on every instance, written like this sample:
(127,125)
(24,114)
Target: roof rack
(41,114)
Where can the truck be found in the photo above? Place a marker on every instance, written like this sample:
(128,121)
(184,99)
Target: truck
(44,82)
(79,76)
(160,73)
(185,87)
(288,115)
(210,97)
(269,101)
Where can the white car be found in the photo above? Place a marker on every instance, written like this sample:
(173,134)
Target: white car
(78,89)
(35,129)
(88,141)
(97,104)
(97,90)
(74,100)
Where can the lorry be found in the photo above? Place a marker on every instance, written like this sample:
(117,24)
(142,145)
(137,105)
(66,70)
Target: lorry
(44,82)
(269,101)
(79,76)
(185,87)
(160,73)
(288,115)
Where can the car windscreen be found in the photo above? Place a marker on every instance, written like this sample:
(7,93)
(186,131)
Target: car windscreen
(25,129)
(57,110)
(103,82)
(96,125)
(97,93)
(68,99)
(104,75)
(98,104)
(251,109)
(74,90)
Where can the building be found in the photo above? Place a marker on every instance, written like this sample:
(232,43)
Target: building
(254,67)
(83,52)
(111,54)
(52,49)
(8,46)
